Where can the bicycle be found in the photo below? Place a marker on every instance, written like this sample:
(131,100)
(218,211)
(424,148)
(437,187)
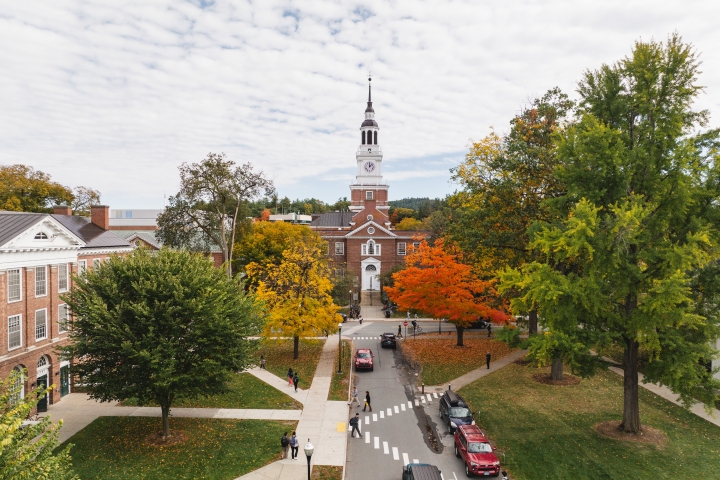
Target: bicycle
(418,329)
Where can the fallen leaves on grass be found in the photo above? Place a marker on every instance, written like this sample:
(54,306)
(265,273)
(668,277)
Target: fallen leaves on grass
(442,360)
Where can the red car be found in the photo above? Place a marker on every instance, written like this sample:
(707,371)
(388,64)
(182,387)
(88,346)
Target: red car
(475,450)
(364,359)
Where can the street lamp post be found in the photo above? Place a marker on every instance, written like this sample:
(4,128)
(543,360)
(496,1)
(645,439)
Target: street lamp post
(340,348)
(309,449)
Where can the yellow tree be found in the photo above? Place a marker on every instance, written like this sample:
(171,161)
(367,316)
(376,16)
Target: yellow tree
(296,293)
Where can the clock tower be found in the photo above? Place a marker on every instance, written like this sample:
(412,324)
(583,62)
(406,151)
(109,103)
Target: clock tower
(369,186)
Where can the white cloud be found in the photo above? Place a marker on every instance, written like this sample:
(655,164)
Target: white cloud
(117,95)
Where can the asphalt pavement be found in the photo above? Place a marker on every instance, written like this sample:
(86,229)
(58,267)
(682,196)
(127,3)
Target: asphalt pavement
(404,427)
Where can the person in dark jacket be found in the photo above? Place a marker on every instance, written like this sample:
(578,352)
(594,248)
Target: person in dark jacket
(487,359)
(489,330)
(367,401)
(354,421)
(285,444)
(296,380)
(290,376)
(294,446)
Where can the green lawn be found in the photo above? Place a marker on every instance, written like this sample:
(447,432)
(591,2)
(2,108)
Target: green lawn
(279,357)
(246,391)
(547,432)
(339,383)
(114,448)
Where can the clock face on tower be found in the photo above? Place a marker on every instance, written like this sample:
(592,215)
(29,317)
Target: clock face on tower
(369,166)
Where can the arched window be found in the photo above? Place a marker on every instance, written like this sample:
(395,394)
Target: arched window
(375,142)
(363,137)
(41,236)
(370,268)
(43,362)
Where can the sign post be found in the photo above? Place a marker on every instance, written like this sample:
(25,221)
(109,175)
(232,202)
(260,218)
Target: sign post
(405,323)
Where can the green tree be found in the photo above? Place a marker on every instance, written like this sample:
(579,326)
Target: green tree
(342,205)
(158,327)
(629,262)
(27,452)
(399,214)
(409,224)
(24,189)
(343,282)
(83,199)
(208,210)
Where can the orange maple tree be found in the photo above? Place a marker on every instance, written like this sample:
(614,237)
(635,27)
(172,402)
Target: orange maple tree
(436,283)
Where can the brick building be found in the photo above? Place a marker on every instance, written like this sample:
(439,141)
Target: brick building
(39,253)
(363,239)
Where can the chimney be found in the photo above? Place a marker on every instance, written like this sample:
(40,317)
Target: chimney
(62,210)
(100,216)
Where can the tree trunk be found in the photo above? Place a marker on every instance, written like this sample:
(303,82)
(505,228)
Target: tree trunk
(460,331)
(631,407)
(165,420)
(556,372)
(296,347)
(532,323)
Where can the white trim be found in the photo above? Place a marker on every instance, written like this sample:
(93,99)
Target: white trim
(45,280)
(61,307)
(373,224)
(44,370)
(66,277)
(342,248)
(85,252)
(46,326)
(55,224)
(20,277)
(404,248)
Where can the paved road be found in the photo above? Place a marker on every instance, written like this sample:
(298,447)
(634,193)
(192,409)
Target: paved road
(396,431)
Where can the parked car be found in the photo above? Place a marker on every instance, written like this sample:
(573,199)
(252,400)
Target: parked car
(455,411)
(364,359)
(421,471)
(480,323)
(473,447)
(388,340)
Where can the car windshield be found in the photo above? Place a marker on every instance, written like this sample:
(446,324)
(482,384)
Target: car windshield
(363,355)
(459,412)
(388,335)
(479,447)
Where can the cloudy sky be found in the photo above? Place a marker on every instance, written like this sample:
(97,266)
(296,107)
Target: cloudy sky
(115,95)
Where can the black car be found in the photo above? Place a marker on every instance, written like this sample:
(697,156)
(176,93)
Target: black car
(455,411)
(421,471)
(388,340)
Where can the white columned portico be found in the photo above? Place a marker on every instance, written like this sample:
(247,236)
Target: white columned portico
(370,274)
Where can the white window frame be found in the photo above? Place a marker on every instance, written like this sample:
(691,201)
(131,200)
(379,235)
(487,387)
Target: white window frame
(18,331)
(368,195)
(339,248)
(402,248)
(20,385)
(365,248)
(41,329)
(416,245)
(96,263)
(10,274)
(63,278)
(82,266)
(62,318)
(41,286)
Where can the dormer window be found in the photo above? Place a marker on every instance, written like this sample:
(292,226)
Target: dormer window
(370,248)
(41,236)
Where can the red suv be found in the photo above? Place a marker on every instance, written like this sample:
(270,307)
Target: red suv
(475,450)
(364,359)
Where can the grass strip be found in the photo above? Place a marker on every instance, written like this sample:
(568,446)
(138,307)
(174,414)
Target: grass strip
(245,391)
(339,383)
(114,448)
(546,432)
(326,472)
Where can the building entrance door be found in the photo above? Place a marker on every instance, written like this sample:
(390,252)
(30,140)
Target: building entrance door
(64,380)
(370,280)
(42,405)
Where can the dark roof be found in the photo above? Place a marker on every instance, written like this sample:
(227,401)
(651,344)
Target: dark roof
(91,234)
(13,224)
(333,219)
(369,123)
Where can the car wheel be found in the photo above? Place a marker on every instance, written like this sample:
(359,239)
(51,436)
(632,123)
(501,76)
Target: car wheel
(372,368)
(467,471)
(457,454)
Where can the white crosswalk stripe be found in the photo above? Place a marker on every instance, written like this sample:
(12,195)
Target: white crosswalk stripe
(406,459)
(382,414)
(396,409)
(377,442)
(389,412)
(415,460)
(367,437)
(374,417)
(386,450)
(435,394)
(417,403)
(395,453)
(423,400)
(410,404)
(429,397)
(402,406)
(367,420)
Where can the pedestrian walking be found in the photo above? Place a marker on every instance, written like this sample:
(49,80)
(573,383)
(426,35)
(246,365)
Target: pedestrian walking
(290,376)
(408,315)
(354,397)
(487,359)
(262,362)
(399,330)
(354,421)
(295,380)
(294,445)
(416,316)
(360,319)
(367,401)
(285,444)
(489,330)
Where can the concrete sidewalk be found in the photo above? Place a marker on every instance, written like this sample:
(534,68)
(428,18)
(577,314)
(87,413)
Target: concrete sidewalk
(473,375)
(77,411)
(279,384)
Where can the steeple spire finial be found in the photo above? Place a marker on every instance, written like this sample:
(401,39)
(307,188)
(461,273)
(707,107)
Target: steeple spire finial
(369,103)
